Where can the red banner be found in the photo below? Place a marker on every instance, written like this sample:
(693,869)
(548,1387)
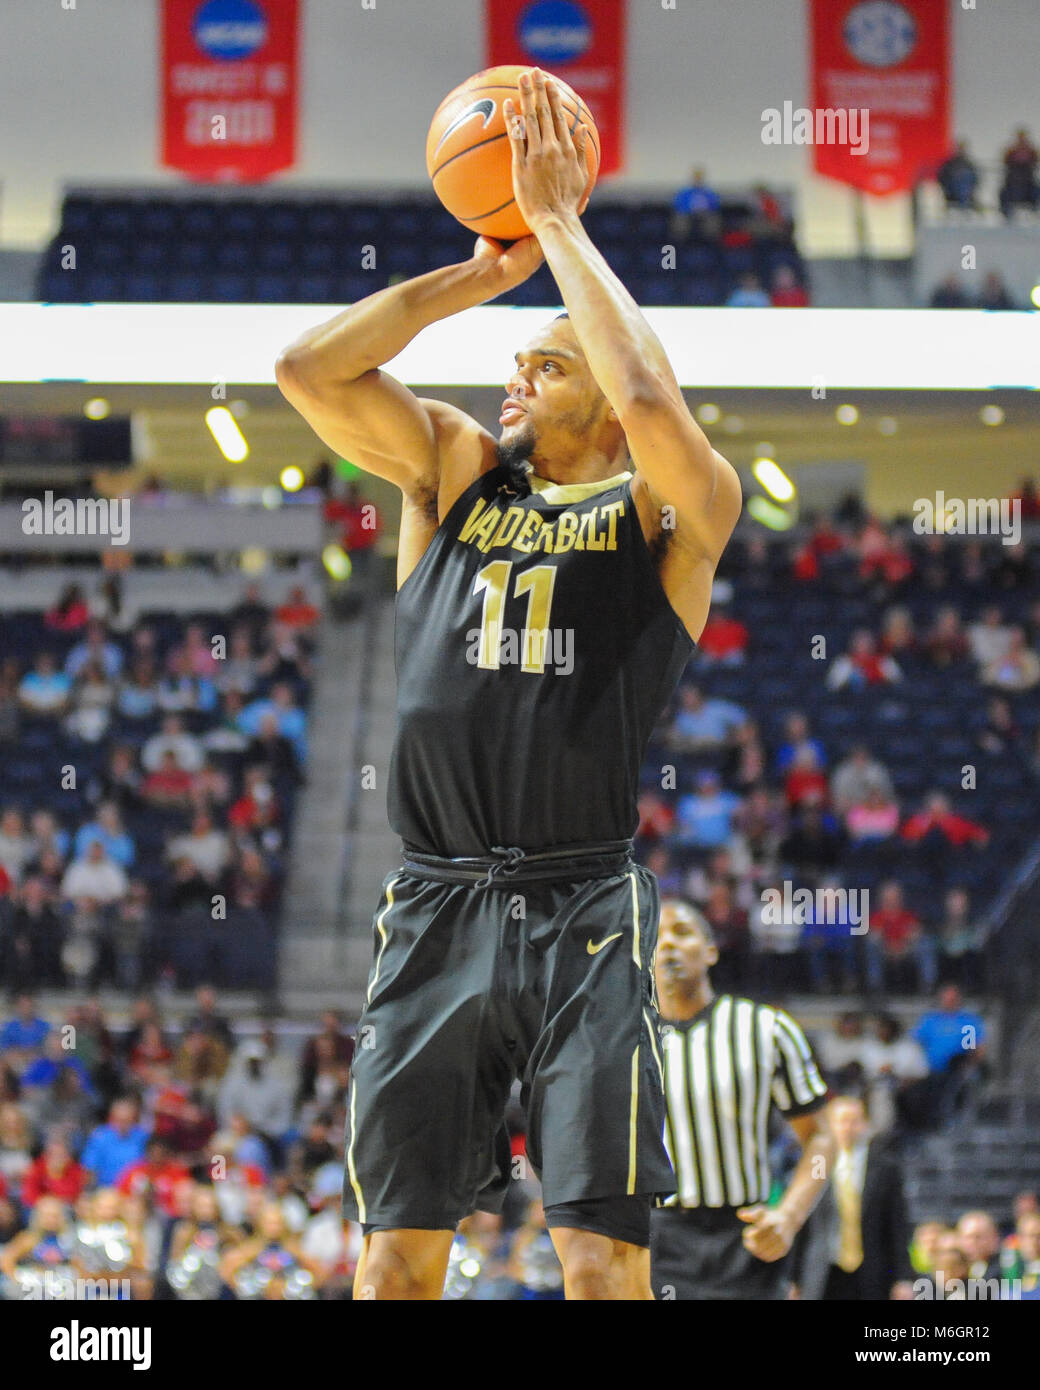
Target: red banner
(886,63)
(580,41)
(229,91)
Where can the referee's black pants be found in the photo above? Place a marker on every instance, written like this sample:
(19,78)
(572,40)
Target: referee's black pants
(842,1287)
(698,1254)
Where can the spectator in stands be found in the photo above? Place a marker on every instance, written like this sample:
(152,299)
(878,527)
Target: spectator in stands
(204,845)
(1020,188)
(858,775)
(874,820)
(150,1052)
(16,846)
(1001,733)
(256,810)
(23,1036)
(70,613)
(108,828)
(731,927)
(1021,1259)
(946,643)
(786,292)
(933,564)
(995,293)
(208,1020)
(704,819)
(696,209)
(96,877)
(285,656)
(111,607)
(239,670)
(954,1041)
(814,846)
(989,638)
(723,641)
(255,1091)
(703,723)
(748,293)
(169,785)
(1013,568)
(156,1175)
(656,818)
(41,1073)
(138,693)
(806,782)
(251,613)
(114,1146)
(131,934)
(660,863)
(980,1240)
(908,950)
(45,833)
(846,1053)
(274,752)
(45,690)
(119,782)
(949,294)
(93,696)
(896,1068)
(960,941)
(863,665)
(16,1144)
(297,612)
(937,825)
(94,650)
(292,722)
(1028,499)
(798,739)
(30,947)
(769,221)
(182,689)
(746,764)
(54,1174)
(898,636)
(173,739)
(1018,669)
(958,177)
(252,885)
(225,736)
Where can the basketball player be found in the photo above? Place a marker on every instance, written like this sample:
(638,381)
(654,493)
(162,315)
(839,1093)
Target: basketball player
(552,584)
(727,1063)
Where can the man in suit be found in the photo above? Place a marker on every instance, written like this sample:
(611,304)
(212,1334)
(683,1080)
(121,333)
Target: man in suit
(855,1244)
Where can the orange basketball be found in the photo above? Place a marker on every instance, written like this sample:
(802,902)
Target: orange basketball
(468,155)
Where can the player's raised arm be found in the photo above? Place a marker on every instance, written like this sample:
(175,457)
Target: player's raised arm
(332,375)
(671,453)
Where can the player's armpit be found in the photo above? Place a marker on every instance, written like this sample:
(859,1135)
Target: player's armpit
(465,450)
(374,421)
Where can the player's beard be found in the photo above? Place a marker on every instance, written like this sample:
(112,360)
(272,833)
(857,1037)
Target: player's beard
(514,453)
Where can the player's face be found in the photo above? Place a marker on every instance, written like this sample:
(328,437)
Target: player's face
(683,955)
(554,404)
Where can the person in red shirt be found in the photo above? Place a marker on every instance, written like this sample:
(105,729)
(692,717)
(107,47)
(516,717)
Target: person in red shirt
(723,641)
(170,785)
(656,817)
(54,1174)
(158,1173)
(904,943)
(787,293)
(806,783)
(938,821)
(296,612)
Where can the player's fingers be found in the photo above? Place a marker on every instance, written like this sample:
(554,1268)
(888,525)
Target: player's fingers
(543,110)
(749,1214)
(515,128)
(532,130)
(559,115)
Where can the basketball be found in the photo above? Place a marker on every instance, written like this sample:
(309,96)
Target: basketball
(468,156)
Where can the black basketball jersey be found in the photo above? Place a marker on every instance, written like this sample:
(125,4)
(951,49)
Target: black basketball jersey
(535,651)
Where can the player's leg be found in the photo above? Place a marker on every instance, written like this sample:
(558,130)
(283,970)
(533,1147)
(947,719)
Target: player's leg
(402,1265)
(600,1264)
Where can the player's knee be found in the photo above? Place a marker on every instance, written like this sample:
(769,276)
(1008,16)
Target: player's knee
(594,1267)
(390,1274)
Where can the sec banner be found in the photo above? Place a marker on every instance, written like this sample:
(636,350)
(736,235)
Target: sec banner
(228,78)
(580,41)
(887,64)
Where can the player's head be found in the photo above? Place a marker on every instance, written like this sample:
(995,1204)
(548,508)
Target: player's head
(686,948)
(556,411)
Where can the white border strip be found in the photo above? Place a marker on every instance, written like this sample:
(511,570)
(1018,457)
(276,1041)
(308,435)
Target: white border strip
(912,349)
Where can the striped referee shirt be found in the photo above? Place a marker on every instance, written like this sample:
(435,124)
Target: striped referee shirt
(723,1071)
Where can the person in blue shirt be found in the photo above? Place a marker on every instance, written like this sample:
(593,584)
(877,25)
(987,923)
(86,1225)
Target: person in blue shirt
(797,737)
(45,689)
(749,293)
(26,1032)
(705,819)
(95,650)
(702,723)
(108,829)
(954,1043)
(114,1146)
(292,722)
(45,1070)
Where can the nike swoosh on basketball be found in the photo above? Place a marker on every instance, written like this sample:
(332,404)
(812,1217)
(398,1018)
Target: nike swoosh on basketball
(484,107)
(605,942)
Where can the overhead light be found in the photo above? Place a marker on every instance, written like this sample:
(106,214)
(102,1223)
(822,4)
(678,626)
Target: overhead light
(291,478)
(769,514)
(846,414)
(709,414)
(773,479)
(1034,296)
(230,440)
(991,415)
(239,409)
(888,424)
(97,408)
(733,424)
(336,561)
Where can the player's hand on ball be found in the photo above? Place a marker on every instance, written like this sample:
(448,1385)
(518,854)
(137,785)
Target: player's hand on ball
(515,262)
(550,171)
(769,1234)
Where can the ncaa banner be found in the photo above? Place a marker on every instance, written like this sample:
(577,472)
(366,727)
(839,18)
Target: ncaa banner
(886,63)
(229,92)
(580,41)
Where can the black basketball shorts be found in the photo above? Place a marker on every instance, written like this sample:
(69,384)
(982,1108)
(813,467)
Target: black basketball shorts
(542,973)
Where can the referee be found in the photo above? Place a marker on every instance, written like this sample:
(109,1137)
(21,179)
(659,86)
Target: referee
(727,1063)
